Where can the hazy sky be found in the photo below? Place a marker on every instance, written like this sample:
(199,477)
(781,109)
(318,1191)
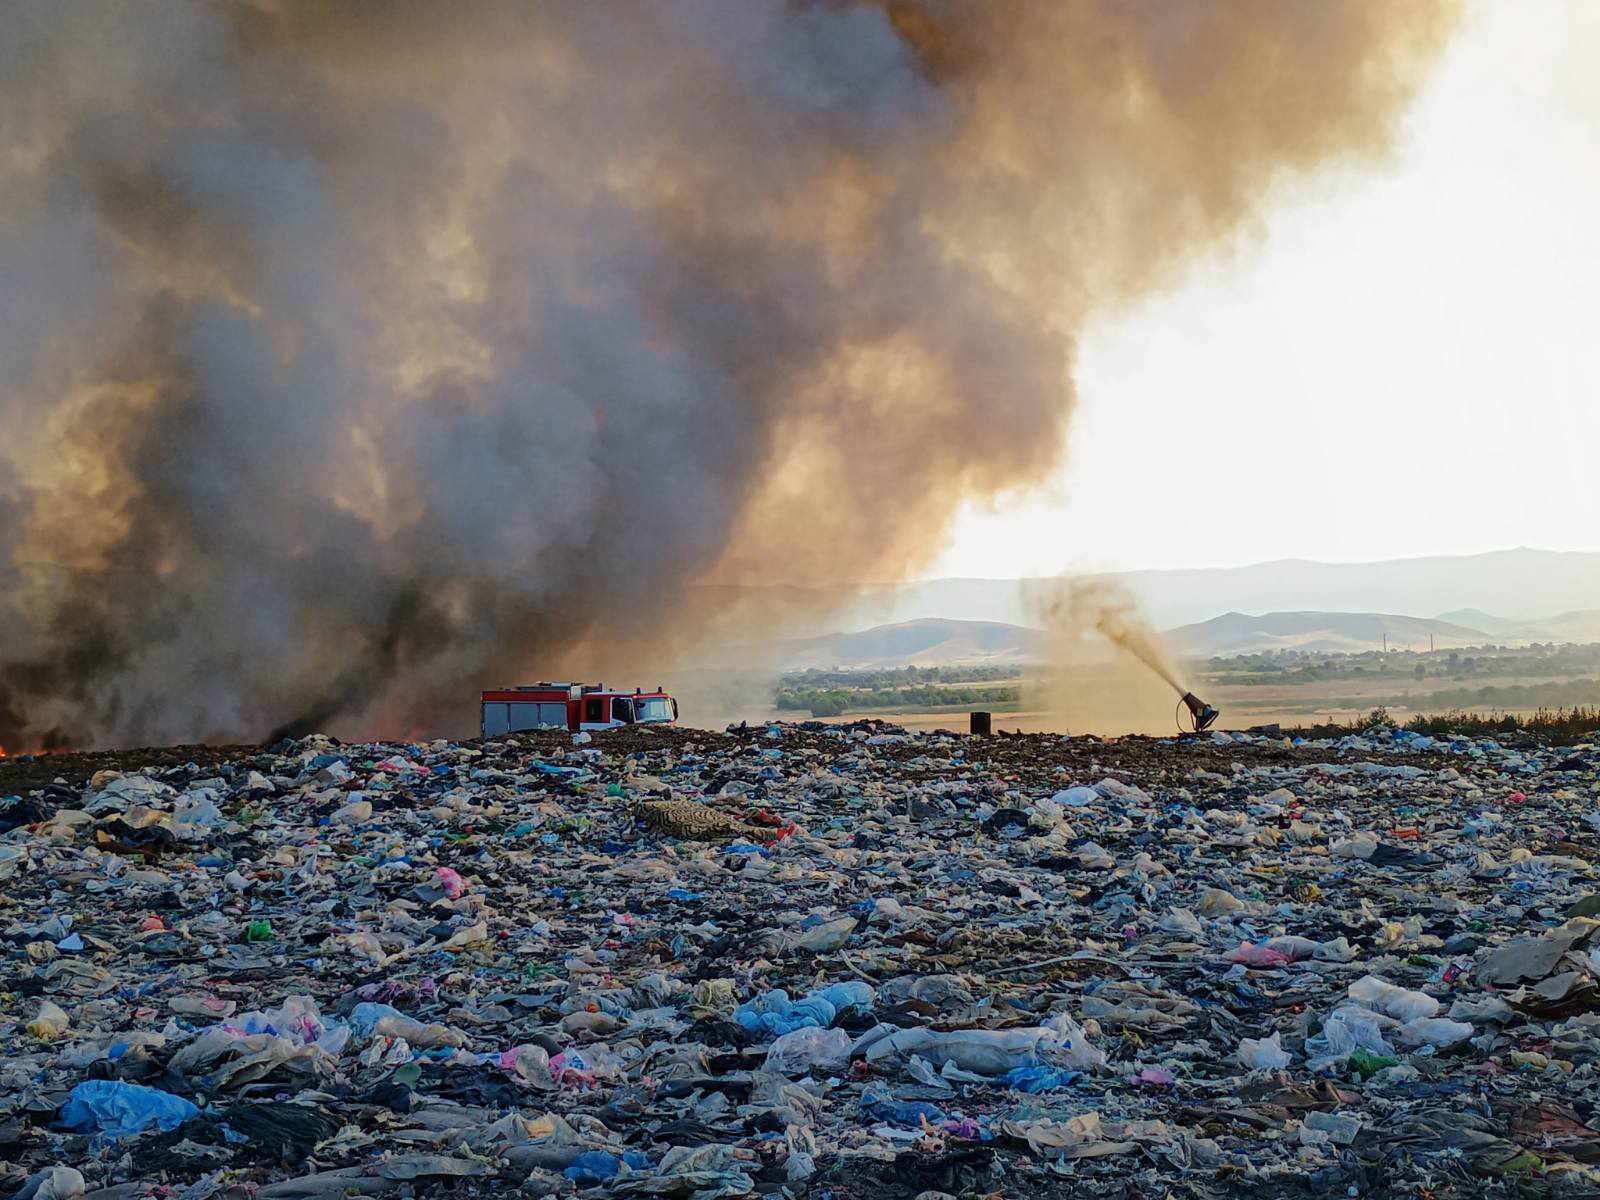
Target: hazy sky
(1402,360)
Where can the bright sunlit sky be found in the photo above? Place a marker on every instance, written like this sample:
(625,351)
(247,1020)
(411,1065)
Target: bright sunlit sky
(1403,359)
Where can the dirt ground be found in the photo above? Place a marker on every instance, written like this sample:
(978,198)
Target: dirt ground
(1036,754)
(22,772)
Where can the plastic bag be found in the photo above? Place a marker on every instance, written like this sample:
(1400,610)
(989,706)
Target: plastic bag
(824,938)
(1182,921)
(121,1109)
(1077,797)
(1034,1080)
(597,1166)
(1337,950)
(1361,845)
(49,1022)
(1347,1030)
(52,1183)
(529,1063)
(774,1013)
(910,1113)
(369,1019)
(1295,949)
(1262,1054)
(796,1053)
(1258,956)
(297,1019)
(193,820)
(1072,1046)
(1483,1009)
(1434,1031)
(986,1052)
(1400,1003)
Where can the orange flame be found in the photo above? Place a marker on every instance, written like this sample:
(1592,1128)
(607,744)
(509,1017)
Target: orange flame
(36,752)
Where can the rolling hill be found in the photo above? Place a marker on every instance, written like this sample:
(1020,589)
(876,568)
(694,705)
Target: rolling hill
(1582,625)
(945,642)
(1476,618)
(948,642)
(1239,633)
(1523,585)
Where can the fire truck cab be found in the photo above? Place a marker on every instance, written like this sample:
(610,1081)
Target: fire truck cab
(572,706)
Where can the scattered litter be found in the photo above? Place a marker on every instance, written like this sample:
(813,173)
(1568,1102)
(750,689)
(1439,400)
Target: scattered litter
(825,961)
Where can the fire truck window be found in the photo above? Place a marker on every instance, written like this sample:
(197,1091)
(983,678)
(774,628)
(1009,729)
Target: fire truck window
(591,710)
(622,710)
(652,708)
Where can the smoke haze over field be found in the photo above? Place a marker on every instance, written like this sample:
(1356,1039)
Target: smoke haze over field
(351,356)
(1109,667)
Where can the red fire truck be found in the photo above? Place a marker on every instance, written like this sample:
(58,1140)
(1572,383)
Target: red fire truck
(572,706)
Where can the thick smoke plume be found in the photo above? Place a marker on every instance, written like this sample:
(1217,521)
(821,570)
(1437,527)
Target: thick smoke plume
(354,354)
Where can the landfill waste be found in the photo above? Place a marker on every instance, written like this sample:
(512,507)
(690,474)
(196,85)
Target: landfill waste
(804,960)
(120,1109)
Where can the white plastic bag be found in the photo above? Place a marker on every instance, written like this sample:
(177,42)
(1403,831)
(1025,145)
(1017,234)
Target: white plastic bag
(1400,1003)
(1434,1031)
(1361,845)
(1072,1047)
(1181,921)
(986,1052)
(1262,1054)
(797,1052)
(1346,1030)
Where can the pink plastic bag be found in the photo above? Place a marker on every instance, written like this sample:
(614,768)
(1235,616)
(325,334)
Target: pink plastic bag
(1258,956)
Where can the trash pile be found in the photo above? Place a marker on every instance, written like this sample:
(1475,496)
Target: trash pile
(803,960)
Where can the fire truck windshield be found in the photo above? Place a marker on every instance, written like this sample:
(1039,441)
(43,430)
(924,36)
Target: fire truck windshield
(652,708)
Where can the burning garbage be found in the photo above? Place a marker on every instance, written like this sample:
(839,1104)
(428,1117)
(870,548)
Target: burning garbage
(666,302)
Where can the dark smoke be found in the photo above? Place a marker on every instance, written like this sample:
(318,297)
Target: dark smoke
(354,354)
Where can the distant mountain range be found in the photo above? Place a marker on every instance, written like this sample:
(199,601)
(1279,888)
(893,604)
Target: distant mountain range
(1580,626)
(1523,586)
(943,642)
(1237,633)
(1502,597)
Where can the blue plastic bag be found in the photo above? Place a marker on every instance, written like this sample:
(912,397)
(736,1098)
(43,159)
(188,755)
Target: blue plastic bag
(365,1016)
(120,1109)
(597,1166)
(908,1113)
(774,1013)
(1038,1079)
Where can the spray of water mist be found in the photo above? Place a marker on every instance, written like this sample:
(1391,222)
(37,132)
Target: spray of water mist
(1118,618)
(1107,663)
(353,355)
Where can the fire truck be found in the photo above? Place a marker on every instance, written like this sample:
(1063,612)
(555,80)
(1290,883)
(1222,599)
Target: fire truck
(572,706)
